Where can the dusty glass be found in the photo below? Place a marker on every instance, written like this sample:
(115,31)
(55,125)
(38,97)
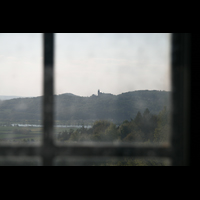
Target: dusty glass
(112,87)
(21,88)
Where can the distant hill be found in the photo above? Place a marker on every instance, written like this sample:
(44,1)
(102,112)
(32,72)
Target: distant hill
(8,97)
(71,107)
(108,106)
(68,94)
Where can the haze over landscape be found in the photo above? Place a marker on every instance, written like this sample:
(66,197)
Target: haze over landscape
(114,63)
(109,87)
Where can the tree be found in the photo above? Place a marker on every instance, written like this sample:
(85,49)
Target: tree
(124,130)
(111,133)
(162,131)
(138,118)
(146,113)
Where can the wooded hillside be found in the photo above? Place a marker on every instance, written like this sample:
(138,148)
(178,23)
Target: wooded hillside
(103,107)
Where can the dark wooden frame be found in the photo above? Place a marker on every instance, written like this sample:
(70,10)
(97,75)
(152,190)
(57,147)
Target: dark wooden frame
(177,151)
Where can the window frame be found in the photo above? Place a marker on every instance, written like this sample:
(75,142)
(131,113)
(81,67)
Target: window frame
(177,150)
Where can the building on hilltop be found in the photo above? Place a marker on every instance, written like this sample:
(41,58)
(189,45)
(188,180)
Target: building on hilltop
(99,93)
(103,94)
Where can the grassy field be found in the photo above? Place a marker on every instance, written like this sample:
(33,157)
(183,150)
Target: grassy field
(15,134)
(10,133)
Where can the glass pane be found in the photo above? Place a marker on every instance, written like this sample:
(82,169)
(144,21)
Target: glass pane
(112,87)
(20,87)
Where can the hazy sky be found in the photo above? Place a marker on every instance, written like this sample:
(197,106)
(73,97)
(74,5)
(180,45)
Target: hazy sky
(84,63)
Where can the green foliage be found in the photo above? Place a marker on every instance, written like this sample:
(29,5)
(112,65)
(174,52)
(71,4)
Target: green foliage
(143,128)
(75,136)
(162,131)
(100,126)
(135,136)
(138,119)
(65,135)
(111,134)
(124,130)
(135,162)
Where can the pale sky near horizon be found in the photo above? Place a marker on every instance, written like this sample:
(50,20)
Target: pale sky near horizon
(114,63)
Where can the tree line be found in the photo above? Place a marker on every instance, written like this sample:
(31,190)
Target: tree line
(145,127)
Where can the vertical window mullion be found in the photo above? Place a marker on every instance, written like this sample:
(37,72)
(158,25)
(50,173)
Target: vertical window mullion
(48,101)
(180,98)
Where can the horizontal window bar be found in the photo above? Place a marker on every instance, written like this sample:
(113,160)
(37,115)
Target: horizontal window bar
(105,150)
